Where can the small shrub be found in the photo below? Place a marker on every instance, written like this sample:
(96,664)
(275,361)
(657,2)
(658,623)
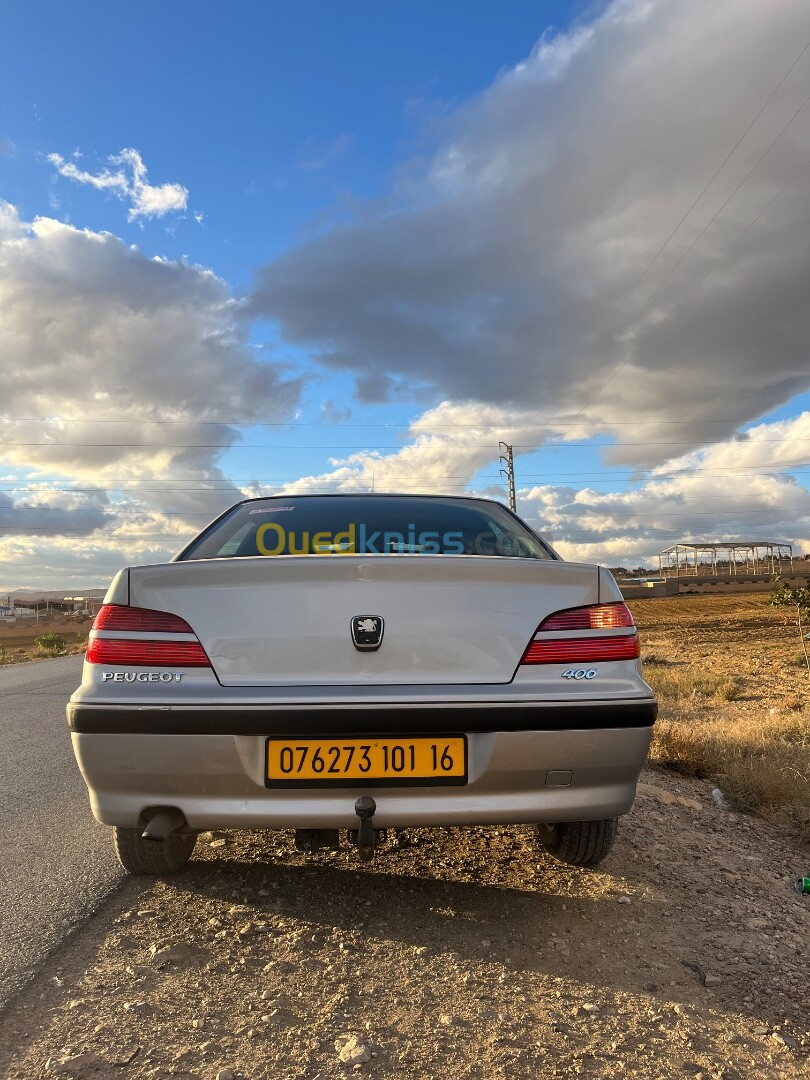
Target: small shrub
(654,660)
(784,595)
(728,689)
(51,644)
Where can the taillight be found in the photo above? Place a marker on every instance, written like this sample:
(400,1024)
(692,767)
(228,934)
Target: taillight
(147,653)
(581,650)
(116,639)
(139,620)
(596,617)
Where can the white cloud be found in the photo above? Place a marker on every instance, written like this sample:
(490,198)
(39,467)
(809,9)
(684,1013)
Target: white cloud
(446,446)
(741,489)
(91,329)
(505,270)
(738,489)
(128,182)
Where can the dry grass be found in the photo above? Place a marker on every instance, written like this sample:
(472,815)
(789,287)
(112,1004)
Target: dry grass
(733,704)
(684,683)
(20,654)
(762,763)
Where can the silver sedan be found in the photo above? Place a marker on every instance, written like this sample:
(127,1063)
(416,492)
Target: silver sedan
(361,662)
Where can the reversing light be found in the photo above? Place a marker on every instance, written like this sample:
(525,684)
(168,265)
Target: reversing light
(596,617)
(581,650)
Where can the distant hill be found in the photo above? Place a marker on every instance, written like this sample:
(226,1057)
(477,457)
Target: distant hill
(51,594)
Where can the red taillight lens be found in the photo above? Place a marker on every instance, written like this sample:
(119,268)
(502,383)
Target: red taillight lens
(596,617)
(583,650)
(140,620)
(146,653)
(140,652)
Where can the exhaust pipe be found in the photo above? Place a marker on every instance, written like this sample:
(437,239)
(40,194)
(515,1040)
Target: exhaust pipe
(163,823)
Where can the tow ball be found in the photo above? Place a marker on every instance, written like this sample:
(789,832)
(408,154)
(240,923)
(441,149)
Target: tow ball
(365,808)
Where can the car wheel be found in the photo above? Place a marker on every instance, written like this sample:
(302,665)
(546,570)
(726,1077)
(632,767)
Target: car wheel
(139,856)
(579,843)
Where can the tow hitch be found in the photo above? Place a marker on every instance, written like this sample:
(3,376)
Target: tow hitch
(365,838)
(365,808)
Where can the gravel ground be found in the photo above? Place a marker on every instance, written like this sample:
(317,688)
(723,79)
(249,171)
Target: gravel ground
(463,953)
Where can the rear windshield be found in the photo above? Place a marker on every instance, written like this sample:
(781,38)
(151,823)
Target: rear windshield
(367,525)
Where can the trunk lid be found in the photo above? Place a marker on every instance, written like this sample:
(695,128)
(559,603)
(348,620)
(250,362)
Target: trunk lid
(286,620)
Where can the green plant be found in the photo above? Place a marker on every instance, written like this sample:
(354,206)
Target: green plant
(53,644)
(784,595)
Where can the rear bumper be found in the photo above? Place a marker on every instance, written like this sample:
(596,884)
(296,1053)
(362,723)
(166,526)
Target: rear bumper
(360,718)
(217,780)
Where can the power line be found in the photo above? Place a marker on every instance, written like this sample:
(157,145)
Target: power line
(370,449)
(495,425)
(114,512)
(710,181)
(609,476)
(722,207)
(731,246)
(714,216)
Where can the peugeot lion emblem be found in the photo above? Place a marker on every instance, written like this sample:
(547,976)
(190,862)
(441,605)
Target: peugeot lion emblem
(367,631)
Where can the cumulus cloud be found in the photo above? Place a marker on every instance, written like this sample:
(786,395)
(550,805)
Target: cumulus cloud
(527,263)
(736,490)
(92,330)
(54,512)
(444,448)
(128,182)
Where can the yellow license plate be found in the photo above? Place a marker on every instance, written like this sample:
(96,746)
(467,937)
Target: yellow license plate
(368,760)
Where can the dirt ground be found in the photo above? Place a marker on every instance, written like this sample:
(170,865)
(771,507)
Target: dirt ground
(460,954)
(732,684)
(17,640)
(741,635)
(456,953)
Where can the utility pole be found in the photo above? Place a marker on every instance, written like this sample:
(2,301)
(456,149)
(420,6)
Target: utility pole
(508,472)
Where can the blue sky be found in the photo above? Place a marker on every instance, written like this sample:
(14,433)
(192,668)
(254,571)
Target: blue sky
(269,113)
(367,241)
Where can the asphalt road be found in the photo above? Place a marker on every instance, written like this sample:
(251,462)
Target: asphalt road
(56,862)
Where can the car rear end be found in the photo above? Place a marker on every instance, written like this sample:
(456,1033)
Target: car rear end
(245,691)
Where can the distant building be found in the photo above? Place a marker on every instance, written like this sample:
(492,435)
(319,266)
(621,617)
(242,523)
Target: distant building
(725,558)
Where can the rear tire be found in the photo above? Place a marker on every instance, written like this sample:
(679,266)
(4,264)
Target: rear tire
(579,843)
(139,856)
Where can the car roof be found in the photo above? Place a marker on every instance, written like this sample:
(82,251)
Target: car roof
(372,495)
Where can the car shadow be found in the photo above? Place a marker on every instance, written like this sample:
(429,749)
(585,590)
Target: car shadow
(504,904)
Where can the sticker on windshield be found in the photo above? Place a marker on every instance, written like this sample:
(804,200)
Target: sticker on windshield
(271,510)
